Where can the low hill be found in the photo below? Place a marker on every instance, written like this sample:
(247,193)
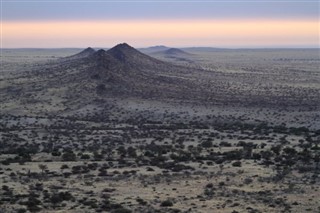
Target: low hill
(175,52)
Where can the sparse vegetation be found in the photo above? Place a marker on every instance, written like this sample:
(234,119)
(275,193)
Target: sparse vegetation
(245,138)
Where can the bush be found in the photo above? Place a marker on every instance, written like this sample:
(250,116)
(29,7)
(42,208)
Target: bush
(85,157)
(167,203)
(55,198)
(141,201)
(207,144)
(247,181)
(209,185)
(5,188)
(21,210)
(56,153)
(33,203)
(121,210)
(64,166)
(209,192)
(69,156)
(236,164)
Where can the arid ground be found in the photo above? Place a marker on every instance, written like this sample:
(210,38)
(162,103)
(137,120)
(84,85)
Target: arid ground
(160,130)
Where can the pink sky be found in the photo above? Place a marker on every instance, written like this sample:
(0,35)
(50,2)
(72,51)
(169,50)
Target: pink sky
(178,33)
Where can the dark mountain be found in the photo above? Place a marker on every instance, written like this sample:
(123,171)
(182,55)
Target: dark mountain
(129,55)
(121,71)
(123,52)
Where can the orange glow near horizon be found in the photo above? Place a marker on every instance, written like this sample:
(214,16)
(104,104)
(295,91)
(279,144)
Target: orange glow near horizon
(139,33)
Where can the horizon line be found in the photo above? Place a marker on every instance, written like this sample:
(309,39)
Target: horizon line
(184,47)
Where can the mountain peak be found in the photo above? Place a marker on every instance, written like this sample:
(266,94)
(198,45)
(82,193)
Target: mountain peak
(123,51)
(89,50)
(84,53)
(123,46)
(100,52)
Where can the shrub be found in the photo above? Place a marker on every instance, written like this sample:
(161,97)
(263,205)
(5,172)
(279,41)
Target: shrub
(64,166)
(141,201)
(121,210)
(166,203)
(56,153)
(247,181)
(85,157)
(69,156)
(5,188)
(236,164)
(207,144)
(33,203)
(209,185)
(55,198)
(21,210)
(209,192)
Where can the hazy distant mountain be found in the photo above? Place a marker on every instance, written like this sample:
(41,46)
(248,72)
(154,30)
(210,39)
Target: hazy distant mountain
(174,52)
(154,49)
(204,49)
(174,55)
(161,48)
(85,53)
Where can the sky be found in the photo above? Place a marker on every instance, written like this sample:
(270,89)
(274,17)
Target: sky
(177,23)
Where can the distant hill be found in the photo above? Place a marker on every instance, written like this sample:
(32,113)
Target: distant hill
(174,52)
(85,53)
(174,55)
(205,49)
(154,49)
